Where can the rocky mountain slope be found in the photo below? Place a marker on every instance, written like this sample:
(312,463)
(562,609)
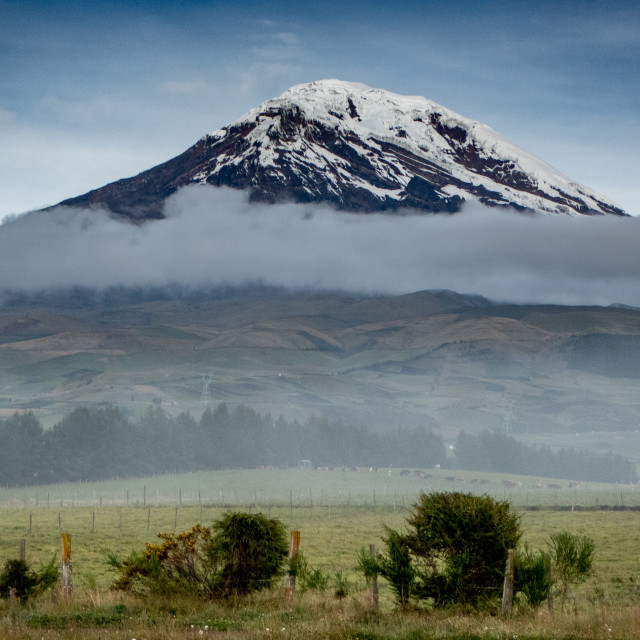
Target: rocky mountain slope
(357,149)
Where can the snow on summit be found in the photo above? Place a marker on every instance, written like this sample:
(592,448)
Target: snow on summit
(358,149)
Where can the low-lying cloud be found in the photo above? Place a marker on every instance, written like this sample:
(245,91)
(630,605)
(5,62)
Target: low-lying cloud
(215,237)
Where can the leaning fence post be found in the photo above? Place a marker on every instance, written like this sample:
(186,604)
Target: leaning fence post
(507,590)
(290,583)
(66,564)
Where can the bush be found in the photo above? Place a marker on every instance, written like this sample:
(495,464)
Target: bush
(341,585)
(178,563)
(396,566)
(454,551)
(249,551)
(240,554)
(307,579)
(18,577)
(532,576)
(571,560)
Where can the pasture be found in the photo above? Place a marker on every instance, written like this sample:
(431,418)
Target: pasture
(337,512)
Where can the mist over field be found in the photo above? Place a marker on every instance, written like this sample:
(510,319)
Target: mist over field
(215,237)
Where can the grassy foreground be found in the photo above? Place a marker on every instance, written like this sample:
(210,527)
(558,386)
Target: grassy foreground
(604,607)
(310,618)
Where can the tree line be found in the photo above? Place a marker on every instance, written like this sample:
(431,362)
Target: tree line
(491,451)
(91,444)
(98,443)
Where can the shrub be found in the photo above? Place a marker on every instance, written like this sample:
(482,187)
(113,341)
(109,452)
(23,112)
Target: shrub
(454,551)
(18,577)
(532,575)
(396,566)
(178,563)
(307,579)
(249,551)
(341,585)
(240,554)
(571,560)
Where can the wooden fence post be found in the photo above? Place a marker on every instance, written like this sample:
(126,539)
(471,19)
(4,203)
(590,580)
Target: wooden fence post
(67,585)
(294,548)
(23,549)
(507,590)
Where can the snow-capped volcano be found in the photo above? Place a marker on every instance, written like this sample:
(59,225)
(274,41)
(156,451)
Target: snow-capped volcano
(358,149)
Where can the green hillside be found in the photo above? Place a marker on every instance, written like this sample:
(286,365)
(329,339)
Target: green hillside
(438,359)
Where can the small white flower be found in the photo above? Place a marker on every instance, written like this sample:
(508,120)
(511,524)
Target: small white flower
(193,626)
(201,632)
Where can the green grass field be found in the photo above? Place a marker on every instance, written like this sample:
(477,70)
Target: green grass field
(336,515)
(237,488)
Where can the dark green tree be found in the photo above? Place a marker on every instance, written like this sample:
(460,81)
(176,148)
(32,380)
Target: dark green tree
(250,551)
(458,547)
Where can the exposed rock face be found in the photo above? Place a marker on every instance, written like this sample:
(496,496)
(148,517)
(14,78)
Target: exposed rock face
(357,149)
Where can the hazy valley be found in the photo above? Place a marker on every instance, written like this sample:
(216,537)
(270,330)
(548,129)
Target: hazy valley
(567,376)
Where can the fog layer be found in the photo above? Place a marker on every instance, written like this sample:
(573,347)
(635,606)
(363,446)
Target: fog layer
(216,237)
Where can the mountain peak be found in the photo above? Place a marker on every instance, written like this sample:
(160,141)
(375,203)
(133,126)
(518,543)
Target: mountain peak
(360,149)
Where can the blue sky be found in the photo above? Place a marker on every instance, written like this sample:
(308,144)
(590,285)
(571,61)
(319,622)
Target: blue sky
(95,91)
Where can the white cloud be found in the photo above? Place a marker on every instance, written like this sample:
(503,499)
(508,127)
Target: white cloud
(215,237)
